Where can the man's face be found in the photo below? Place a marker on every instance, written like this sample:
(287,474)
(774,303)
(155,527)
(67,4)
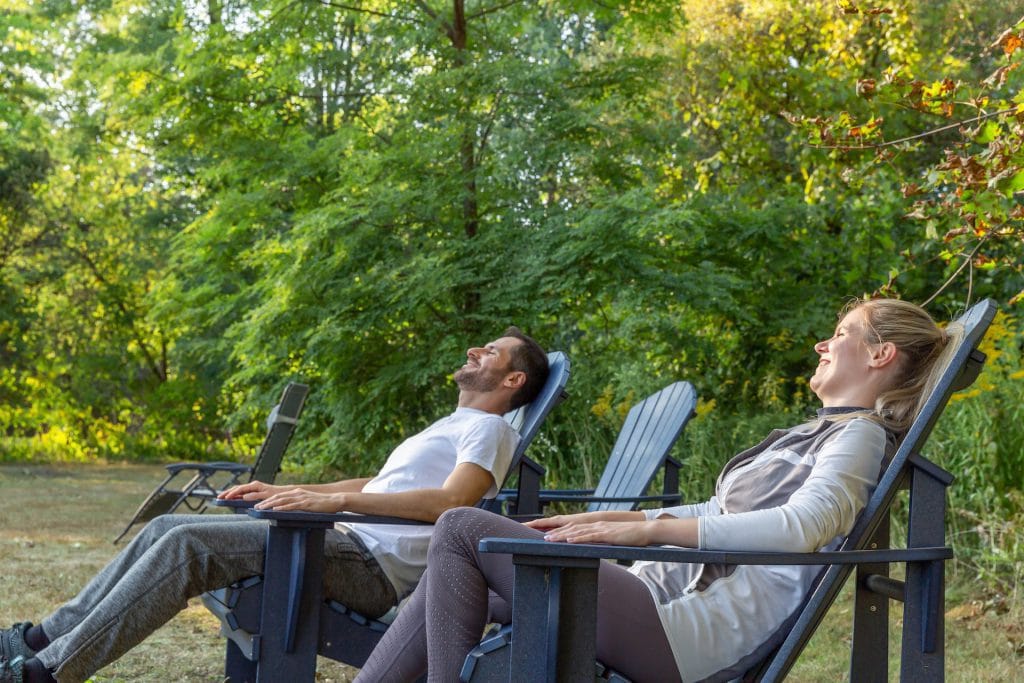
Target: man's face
(486,366)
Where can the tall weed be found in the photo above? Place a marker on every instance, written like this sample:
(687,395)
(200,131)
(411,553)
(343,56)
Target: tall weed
(980,439)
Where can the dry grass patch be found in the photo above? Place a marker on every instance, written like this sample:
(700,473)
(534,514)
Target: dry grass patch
(56,527)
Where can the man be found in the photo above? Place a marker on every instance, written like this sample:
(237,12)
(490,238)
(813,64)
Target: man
(456,461)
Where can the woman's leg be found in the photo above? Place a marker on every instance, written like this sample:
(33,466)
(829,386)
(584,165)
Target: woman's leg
(630,637)
(450,602)
(446,617)
(401,655)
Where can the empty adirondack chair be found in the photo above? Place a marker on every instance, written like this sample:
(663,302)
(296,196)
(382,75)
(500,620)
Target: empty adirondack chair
(561,579)
(204,480)
(641,450)
(276,624)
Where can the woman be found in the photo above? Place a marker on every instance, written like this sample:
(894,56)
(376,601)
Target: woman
(799,490)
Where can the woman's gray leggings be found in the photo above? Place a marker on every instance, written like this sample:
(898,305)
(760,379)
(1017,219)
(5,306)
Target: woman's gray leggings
(446,615)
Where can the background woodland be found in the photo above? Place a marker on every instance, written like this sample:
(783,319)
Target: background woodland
(201,200)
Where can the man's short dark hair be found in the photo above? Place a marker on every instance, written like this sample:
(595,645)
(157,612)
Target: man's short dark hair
(528,357)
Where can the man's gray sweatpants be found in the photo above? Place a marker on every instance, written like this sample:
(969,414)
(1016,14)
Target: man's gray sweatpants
(177,557)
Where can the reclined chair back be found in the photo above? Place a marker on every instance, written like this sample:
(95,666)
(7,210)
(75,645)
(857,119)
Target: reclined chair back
(642,447)
(270,644)
(207,479)
(926,528)
(280,429)
(552,575)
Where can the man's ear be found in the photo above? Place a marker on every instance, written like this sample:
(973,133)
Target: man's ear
(515,379)
(883,354)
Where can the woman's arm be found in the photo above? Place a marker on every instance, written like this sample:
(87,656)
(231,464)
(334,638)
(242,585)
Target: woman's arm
(826,505)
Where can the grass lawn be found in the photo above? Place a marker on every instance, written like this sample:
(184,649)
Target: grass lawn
(56,527)
(57,523)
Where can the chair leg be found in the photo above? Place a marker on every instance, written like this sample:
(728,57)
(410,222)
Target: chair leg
(869,654)
(290,604)
(923,657)
(238,669)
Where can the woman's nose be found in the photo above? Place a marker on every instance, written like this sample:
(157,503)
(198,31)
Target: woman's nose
(821,346)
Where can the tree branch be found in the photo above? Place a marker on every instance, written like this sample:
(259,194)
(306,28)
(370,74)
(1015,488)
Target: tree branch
(967,261)
(363,10)
(154,366)
(918,136)
(491,10)
(493,114)
(426,9)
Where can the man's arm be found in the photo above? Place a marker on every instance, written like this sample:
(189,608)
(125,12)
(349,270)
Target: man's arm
(464,486)
(258,490)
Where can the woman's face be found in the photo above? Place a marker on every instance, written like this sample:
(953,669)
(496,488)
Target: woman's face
(843,364)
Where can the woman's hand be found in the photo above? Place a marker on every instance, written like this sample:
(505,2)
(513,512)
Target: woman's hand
(301,499)
(254,490)
(615,533)
(558,521)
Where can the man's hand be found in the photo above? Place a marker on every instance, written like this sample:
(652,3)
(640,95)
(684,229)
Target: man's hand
(254,490)
(307,501)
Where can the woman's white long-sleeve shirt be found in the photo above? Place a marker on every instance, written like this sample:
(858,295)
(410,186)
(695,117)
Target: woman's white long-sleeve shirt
(799,490)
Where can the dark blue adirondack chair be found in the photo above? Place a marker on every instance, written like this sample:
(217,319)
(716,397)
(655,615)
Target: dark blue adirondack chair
(641,450)
(554,603)
(207,479)
(275,624)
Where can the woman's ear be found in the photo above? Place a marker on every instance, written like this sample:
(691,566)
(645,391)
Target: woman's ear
(883,354)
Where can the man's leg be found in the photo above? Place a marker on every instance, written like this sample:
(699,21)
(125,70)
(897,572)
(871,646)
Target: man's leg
(180,558)
(73,612)
(353,577)
(142,589)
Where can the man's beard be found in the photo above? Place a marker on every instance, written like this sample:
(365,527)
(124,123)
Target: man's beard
(475,379)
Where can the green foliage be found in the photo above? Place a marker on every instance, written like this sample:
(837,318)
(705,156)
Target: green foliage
(960,165)
(980,440)
(200,202)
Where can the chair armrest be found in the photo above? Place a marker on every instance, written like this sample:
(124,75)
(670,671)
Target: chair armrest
(209,467)
(569,497)
(551,576)
(566,492)
(512,493)
(556,551)
(298,518)
(237,503)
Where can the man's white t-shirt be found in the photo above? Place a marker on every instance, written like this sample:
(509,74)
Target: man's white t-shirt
(424,461)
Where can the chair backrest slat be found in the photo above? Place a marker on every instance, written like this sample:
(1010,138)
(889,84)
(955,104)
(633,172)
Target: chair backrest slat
(528,419)
(651,428)
(280,429)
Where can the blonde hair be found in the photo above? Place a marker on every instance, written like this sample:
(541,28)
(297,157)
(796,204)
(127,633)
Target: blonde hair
(925,351)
